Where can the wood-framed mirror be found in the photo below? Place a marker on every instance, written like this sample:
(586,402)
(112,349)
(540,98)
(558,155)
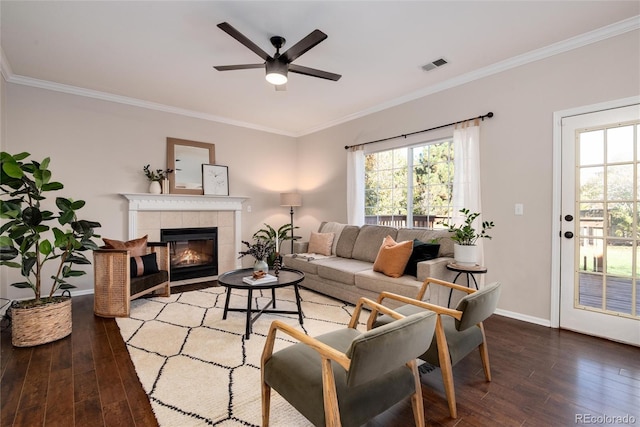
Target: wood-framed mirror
(186,159)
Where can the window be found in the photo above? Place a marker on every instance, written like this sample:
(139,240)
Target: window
(410,186)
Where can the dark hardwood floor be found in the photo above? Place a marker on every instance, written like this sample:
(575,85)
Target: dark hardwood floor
(541,377)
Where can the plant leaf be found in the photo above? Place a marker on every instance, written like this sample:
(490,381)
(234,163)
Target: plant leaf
(52,186)
(45,247)
(22,285)
(12,169)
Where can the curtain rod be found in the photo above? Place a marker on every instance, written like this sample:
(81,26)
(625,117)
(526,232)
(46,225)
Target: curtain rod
(488,115)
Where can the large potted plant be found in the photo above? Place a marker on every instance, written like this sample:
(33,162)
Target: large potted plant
(27,243)
(465,236)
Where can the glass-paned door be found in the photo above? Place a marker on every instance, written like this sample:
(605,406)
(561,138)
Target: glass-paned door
(600,291)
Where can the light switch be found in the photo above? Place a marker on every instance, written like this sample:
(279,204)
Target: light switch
(249,208)
(519,209)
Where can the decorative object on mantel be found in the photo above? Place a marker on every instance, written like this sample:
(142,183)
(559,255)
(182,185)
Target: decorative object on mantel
(186,158)
(155,178)
(465,251)
(260,250)
(215,180)
(23,206)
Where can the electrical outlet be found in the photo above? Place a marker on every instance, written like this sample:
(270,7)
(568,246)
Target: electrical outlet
(519,209)
(249,208)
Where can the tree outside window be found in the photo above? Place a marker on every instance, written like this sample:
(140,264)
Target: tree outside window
(409,186)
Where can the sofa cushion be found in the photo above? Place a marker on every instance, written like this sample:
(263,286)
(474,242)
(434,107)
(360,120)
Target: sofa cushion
(348,236)
(441,236)
(377,282)
(335,228)
(140,284)
(341,269)
(136,247)
(392,257)
(422,251)
(306,263)
(369,240)
(321,243)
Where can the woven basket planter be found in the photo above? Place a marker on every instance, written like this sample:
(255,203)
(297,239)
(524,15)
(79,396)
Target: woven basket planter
(41,324)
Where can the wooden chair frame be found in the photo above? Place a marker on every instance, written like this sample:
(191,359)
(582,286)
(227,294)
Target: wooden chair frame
(327,354)
(444,357)
(112,282)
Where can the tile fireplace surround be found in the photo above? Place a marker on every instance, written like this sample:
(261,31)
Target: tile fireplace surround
(148,213)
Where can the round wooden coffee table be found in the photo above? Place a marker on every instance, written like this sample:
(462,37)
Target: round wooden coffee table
(234,280)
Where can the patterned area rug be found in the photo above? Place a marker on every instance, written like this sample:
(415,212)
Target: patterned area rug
(198,369)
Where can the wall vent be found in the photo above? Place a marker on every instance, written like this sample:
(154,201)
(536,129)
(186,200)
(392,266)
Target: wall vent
(433,65)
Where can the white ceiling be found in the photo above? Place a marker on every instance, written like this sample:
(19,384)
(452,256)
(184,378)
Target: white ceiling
(161,54)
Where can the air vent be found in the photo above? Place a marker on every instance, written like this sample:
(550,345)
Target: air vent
(435,64)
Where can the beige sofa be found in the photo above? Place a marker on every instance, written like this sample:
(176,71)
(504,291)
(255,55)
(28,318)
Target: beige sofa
(347,273)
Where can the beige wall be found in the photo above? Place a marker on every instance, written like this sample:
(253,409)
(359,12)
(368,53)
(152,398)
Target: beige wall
(516,154)
(98,150)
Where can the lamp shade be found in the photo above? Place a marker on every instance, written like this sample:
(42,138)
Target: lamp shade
(290,199)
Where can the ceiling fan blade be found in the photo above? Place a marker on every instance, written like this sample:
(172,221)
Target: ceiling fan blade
(293,68)
(237,67)
(227,28)
(315,37)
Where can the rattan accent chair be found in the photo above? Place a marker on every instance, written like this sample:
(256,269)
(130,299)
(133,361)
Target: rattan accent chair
(114,288)
(459,331)
(346,377)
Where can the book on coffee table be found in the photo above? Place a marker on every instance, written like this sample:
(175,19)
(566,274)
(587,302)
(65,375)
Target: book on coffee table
(268,278)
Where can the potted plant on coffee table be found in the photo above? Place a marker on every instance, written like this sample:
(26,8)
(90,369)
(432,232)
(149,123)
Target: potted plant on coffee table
(276,237)
(28,243)
(260,251)
(465,236)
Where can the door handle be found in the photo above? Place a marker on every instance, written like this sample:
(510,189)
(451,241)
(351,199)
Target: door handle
(568,218)
(568,234)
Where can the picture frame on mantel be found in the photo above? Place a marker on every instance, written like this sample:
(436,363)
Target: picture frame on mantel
(186,158)
(215,180)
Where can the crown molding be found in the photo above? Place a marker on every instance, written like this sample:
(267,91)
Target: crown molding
(104,96)
(5,67)
(576,42)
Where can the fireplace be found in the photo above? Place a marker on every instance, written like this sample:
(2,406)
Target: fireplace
(193,251)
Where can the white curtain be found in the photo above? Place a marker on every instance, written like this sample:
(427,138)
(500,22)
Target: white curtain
(355,185)
(466,180)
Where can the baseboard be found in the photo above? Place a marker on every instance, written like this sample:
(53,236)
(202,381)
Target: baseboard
(524,317)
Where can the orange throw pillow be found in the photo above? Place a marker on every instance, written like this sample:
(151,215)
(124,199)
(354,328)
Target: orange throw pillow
(393,257)
(136,247)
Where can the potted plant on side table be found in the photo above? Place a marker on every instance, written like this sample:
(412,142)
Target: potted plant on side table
(28,243)
(465,236)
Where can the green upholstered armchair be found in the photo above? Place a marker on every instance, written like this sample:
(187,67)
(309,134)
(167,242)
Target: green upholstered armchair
(459,331)
(346,377)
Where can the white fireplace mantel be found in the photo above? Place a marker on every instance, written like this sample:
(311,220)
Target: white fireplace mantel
(182,202)
(139,202)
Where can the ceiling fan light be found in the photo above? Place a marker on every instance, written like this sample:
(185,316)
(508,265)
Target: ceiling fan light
(276,72)
(276,78)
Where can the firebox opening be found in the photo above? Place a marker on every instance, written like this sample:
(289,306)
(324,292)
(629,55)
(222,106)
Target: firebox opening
(193,251)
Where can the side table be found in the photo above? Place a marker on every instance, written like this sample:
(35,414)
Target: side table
(469,271)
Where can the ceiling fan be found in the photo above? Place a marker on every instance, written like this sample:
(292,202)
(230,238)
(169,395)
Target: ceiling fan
(279,64)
